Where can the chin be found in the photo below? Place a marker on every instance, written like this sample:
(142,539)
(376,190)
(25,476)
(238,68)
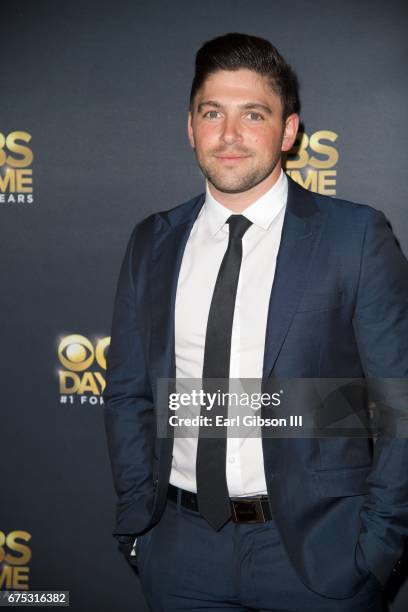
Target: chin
(231,189)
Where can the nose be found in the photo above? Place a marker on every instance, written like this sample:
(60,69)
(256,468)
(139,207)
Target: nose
(231,131)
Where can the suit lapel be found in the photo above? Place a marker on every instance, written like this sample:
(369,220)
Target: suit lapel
(171,238)
(300,234)
(169,246)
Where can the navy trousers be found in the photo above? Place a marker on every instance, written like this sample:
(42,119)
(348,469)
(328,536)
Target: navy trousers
(183,564)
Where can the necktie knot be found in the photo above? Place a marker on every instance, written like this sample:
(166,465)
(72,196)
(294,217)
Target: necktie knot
(238,225)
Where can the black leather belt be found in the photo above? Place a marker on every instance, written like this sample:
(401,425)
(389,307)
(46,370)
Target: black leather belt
(243,509)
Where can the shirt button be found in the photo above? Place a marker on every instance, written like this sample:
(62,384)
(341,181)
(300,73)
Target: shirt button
(231,459)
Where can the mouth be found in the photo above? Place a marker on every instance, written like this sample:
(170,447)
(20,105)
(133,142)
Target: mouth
(231,158)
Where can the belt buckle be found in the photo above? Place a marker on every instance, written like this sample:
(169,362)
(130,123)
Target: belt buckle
(247,511)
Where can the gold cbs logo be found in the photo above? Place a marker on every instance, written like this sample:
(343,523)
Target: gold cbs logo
(15,159)
(14,557)
(78,354)
(316,157)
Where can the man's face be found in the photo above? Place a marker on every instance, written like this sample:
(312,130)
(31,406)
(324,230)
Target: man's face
(237,130)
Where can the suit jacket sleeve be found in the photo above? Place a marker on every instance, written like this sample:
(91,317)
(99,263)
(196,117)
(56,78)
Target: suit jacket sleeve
(128,412)
(381,329)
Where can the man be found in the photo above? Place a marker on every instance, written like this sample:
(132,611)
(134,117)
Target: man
(257,278)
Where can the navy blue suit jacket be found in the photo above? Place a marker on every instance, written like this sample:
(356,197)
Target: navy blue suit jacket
(338,308)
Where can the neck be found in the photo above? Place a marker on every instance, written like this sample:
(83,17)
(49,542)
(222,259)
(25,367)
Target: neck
(238,202)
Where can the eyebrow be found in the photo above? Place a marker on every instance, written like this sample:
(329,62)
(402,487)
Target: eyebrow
(247,106)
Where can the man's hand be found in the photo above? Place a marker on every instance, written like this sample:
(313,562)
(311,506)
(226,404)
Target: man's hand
(127,546)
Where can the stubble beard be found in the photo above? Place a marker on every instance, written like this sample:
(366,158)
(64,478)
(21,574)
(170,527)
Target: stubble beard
(231,182)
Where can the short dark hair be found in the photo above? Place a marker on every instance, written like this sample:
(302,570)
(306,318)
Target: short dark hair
(234,51)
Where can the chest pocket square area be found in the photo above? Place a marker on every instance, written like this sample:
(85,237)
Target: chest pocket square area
(321,300)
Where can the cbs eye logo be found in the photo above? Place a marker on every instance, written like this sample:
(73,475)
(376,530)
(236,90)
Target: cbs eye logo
(316,157)
(77,354)
(16,158)
(14,557)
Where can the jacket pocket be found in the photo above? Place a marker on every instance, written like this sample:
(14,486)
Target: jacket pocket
(342,482)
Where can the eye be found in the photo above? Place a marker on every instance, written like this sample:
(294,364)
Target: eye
(212,114)
(255,116)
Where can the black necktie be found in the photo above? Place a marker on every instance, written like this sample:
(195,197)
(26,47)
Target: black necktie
(212,490)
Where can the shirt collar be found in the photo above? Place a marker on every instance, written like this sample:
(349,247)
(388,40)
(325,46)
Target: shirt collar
(261,213)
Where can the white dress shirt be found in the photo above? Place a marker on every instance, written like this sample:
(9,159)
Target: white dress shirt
(202,257)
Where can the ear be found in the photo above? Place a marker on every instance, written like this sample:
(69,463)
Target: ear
(290,131)
(190,130)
